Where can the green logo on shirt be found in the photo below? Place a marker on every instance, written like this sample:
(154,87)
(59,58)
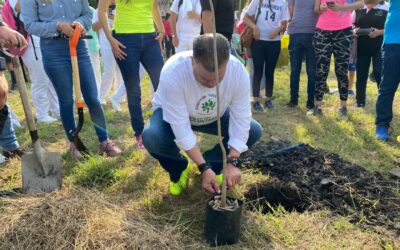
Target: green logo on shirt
(208,106)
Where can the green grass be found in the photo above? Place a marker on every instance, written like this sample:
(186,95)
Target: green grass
(123,202)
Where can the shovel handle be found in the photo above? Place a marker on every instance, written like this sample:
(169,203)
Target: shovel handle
(23,92)
(73,43)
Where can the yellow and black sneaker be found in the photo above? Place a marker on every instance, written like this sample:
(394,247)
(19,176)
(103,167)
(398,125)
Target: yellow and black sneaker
(176,188)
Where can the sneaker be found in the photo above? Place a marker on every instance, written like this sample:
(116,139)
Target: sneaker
(46,120)
(315,111)
(290,105)
(109,148)
(115,104)
(257,107)
(269,105)
(382,133)
(103,102)
(360,105)
(139,141)
(220,178)
(75,152)
(343,113)
(351,93)
(56,116)
(176,188)
(16,153)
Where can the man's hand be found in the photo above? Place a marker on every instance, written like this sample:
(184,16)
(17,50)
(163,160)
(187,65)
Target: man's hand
(232,175)
(83,30)
(3,90)
(66,28)
(11,39)
(209,182)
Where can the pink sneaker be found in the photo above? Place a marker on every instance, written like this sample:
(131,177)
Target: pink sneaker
(109,148)
(75,152)
(139,142)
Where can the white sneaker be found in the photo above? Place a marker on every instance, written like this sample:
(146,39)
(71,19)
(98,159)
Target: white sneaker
(47,119)
(115,104)
(103,102)
(56,116)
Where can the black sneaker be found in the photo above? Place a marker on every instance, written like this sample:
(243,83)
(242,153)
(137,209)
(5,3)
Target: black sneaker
(360,105)
(257,107)
(19,152)
(290,105)
(343,113)
(315,111)
(269,105)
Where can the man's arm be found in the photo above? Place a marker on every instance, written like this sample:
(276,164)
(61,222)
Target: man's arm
(206,16)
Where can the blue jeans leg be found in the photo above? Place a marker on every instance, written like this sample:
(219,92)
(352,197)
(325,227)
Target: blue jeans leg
(8,140)
(310,68)
(57,64)
(389,84)
(158,139)
(139,48)
(296,52)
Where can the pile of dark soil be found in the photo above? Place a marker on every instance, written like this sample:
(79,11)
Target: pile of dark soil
(307,179)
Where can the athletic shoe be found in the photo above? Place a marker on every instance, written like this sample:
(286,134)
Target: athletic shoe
(75,152)
(109,148)
(219,178)
(16,153)
(139,141)
(382,133)
(103,102)
(290,105)
(360,105)
(343,113)
(257,107)
(115,104)
(269,105)
(351,93)
(314,111)
(176,188)
(46,120)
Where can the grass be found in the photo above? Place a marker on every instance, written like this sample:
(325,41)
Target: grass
(123,203)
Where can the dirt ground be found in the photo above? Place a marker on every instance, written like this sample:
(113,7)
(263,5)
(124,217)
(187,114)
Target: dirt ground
(307,179)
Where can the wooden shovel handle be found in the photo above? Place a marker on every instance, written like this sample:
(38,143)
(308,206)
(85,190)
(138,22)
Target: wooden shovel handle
(73,43)
(23,92)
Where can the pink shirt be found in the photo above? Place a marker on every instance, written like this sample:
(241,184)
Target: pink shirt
(334,20)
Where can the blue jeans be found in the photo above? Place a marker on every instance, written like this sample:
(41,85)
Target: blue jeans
(158,138)
(8,140)
(363,64)
(301,45)
(265,54)
(390,83)
(57,64)
(145,49)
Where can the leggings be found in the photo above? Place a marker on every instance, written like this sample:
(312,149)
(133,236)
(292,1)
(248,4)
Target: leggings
(265,56)
(325,43)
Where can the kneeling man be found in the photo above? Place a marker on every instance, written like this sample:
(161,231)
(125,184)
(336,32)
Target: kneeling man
(186,101)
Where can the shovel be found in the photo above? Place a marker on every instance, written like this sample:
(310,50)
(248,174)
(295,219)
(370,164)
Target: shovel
(73,43)
(41,170)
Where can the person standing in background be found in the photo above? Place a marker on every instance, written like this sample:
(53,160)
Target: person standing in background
(301,29)
(333,36)
(390,73)
(136,37)
(224,17)
(185,23)
(168,45)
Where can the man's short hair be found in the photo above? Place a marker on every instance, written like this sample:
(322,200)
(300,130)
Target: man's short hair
(203,50)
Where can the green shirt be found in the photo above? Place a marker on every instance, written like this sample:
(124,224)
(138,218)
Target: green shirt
(134,16)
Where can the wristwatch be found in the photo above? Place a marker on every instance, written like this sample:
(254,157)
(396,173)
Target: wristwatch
(203,167)
(234,161)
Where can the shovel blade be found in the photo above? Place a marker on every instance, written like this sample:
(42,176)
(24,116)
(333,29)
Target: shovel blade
(33,179)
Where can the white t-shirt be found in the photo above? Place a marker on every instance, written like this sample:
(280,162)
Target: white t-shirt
(185,102)
(269,20)
(187,26)
(103,41)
